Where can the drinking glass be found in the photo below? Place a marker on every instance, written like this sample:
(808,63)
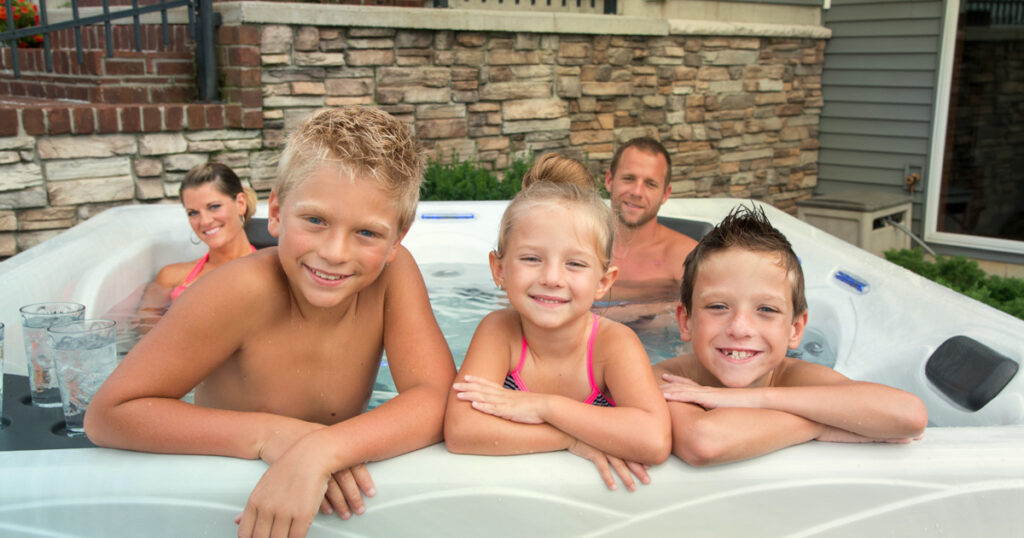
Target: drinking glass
(85,354)
(35,319)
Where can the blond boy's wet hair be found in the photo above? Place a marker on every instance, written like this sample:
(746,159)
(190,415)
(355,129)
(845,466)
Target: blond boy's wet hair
(364,142)
(556,180)
(747,228)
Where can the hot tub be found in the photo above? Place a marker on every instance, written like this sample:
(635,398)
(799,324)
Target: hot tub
(879,321)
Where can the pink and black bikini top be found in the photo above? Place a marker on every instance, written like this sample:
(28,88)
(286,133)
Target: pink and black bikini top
(514,380)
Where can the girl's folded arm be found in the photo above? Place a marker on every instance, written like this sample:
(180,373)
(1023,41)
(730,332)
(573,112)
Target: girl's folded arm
(638,428)
(469,431)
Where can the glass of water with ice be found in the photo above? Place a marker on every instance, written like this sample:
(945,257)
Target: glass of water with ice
(35,319)
(85,354)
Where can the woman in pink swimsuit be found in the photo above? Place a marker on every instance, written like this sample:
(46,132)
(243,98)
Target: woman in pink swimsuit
(218,205)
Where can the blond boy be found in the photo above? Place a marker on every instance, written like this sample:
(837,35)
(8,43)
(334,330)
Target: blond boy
(738,395)
(283,346)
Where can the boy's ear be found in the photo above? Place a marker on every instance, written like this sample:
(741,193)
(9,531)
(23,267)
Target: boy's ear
(274,215)
(606,282)
(608,181)
(394,246)
(683,319)
(799,324)
(496,271)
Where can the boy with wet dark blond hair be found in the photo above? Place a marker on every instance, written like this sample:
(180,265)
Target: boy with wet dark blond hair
(738,395)
(285,344)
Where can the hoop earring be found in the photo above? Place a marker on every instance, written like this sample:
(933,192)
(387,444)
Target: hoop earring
(196,239)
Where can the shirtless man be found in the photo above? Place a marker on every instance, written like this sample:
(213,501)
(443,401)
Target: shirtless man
(649,255)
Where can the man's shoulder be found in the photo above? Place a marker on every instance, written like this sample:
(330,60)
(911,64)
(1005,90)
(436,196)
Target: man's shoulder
(676,239)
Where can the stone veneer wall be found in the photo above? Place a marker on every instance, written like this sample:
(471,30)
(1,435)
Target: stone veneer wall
(736,106)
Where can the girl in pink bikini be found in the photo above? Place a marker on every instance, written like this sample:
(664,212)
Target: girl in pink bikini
(546,373)
(218,205)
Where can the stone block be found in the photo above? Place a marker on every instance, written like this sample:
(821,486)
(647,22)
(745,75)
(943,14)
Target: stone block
(183,162)
(74,147)
(276,39)
(526,126)
(222,134)
(206,146)
(308,88)
(370,57)
(9,157)
(435,112)
(413,39)
(474,57)
(432,77)
(349,86)
(8,221)
(49,218)
(444,128)
(501,91)
(730,57)
(148,167)
(493,143)
(83,191)
(319,58)
(30,197)
(534,109)
(149,189)
(371,43)
(606,88)
(569,87)
(162,144)
(307,38)
(284,101)
(87,168)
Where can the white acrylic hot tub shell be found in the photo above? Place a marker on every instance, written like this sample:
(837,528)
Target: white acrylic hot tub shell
(956,481)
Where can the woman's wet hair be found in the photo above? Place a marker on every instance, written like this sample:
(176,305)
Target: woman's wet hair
(362,142)
(224,179)
(747,228)
(558,181)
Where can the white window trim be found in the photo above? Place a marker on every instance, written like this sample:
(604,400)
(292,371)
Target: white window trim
(938,150)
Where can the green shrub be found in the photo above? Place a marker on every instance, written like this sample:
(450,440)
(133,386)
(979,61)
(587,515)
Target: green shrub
(963,275)
(467,180)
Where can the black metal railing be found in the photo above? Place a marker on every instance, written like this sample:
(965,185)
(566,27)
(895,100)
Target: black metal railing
(996,12)
(201,22)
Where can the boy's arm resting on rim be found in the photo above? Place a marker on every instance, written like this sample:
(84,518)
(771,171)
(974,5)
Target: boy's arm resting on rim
(724,435)
(140,407)
(468,431)
(825,396)
(701,437)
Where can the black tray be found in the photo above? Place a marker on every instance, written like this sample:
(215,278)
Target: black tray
(32,428)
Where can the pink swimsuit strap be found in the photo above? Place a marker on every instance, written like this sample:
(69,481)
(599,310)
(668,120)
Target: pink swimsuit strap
(595,392)
(194,274)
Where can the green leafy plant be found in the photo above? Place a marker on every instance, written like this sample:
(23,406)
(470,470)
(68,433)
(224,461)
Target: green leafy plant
(26,15)
(467,180)
(963,275)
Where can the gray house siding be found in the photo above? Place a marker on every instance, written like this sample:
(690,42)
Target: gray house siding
(879,88)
